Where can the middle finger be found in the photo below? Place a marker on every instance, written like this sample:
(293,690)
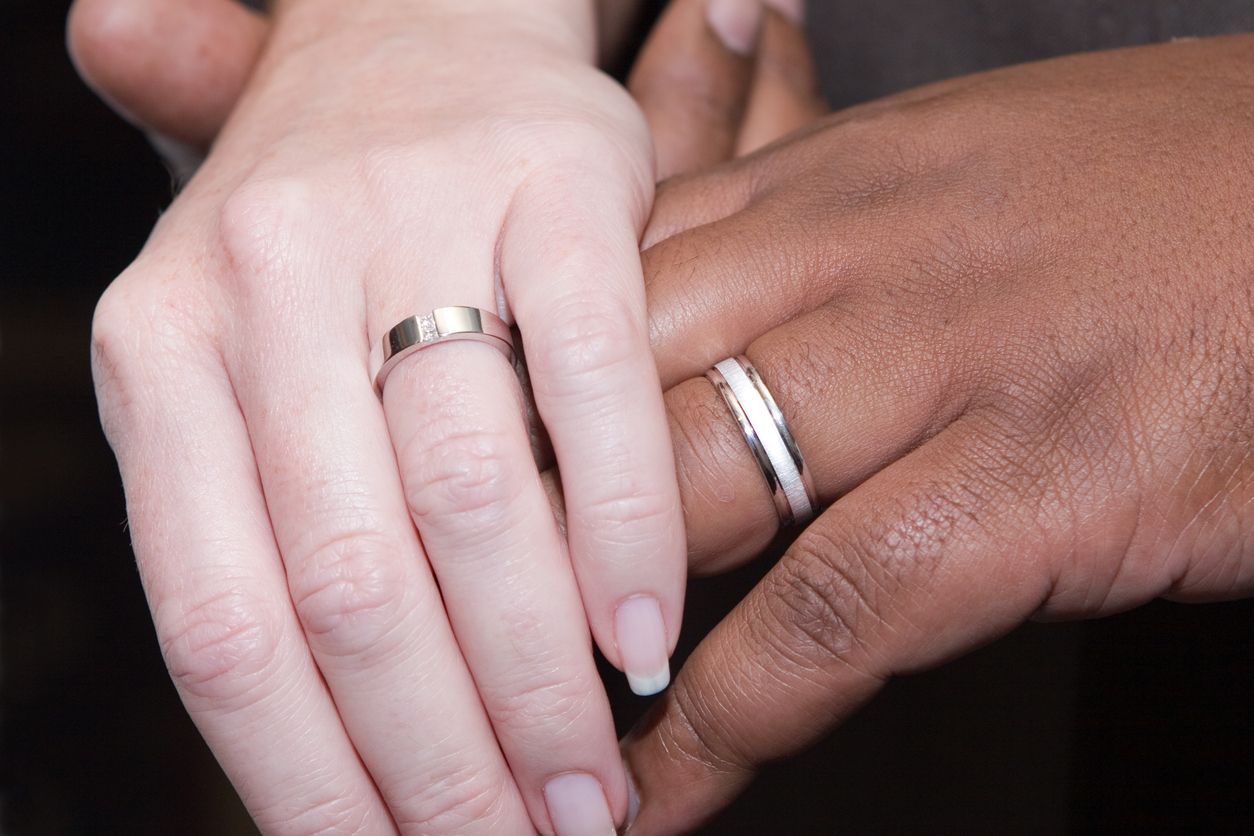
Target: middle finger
(459,429)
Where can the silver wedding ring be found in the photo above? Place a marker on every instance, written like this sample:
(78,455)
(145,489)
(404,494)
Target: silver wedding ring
(456,322)
(768,437)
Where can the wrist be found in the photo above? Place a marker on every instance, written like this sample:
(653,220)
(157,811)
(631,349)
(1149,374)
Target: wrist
(568,26)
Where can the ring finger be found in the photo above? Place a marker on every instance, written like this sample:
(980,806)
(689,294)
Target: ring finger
(370,609)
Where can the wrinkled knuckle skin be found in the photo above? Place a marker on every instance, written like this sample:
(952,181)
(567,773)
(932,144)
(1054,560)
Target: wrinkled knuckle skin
(819,601)
(349,592)
(460,478)
(539,702)
(262,225)
(629,519)
(712,462)
(144,338)
(462,794)
(581,348)
(692,732)
(706,441)
(222,648)
(112,337)
(335,813)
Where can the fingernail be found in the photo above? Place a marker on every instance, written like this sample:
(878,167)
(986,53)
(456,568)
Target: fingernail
(577,806)
(633,799)
(737,23)
(794,10)
(641,636)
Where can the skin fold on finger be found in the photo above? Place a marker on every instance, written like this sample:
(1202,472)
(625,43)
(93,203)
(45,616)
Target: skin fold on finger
(785,94)
(457,424)
(887,581)
(173,67)
(216,587)
(692,80)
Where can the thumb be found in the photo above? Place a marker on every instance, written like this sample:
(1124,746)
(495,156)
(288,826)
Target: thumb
(173,67)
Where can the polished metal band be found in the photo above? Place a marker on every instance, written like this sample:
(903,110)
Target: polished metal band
(768,437)
(456,322)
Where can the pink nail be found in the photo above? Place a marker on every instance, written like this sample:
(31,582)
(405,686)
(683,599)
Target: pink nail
(642,645)
(577,806)
(737,23)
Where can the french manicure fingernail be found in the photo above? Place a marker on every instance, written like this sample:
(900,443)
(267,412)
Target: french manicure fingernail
(642,644)
(794,10)
(737,23)
(577,806)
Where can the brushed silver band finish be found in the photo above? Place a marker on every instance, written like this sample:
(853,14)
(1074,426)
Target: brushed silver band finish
(769,439)
(455,322)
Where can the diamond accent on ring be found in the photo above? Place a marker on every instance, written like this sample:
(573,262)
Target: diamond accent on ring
(426,328)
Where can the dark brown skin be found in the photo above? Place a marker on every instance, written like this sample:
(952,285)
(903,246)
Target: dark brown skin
(1010,318)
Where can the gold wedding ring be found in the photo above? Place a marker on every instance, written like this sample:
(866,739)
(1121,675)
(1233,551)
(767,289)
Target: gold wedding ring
(456,322)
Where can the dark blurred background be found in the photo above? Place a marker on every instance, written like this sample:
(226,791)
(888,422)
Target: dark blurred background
(1140,723)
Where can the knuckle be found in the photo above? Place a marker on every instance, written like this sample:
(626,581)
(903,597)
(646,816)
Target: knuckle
(540,700)
(458,796)
(336,812)
(718,478)
(630,517)
(692,731)
(144,337)
(584,341)
(349,592)
(112,351)
(222,647)
(544,688)
(459,474)
(820,603)
(257,225)
(710,452)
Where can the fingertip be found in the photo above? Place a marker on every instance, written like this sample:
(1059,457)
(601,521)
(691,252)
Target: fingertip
(643,645)
(173,68)
(736,23)
(101,38)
